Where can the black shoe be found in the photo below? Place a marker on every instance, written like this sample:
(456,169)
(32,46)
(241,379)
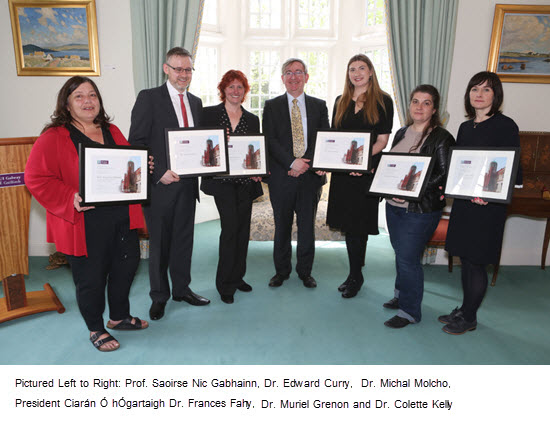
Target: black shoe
(244,287)
(460,326)
(397,322)
(227,298)
(157,310)
(192,298)
(352,288)
(343,286)
(392,304)
(447,319)
(277,280)
(309,282)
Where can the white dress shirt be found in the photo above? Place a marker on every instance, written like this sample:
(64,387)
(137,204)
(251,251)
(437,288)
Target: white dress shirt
(174,96)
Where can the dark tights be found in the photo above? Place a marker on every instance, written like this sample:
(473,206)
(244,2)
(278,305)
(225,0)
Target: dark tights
(474,286)
(356,245)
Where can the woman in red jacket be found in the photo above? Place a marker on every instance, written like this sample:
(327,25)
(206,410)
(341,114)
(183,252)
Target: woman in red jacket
(101,243)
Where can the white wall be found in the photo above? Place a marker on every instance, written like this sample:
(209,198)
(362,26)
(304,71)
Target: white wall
(27,102)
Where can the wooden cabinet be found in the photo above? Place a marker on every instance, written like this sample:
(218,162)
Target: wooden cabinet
(535,162)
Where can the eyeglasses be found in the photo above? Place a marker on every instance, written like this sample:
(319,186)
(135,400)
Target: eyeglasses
(181,70)
(297,73)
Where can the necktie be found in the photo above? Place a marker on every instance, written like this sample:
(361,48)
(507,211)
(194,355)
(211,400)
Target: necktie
(183,111)
(298,145)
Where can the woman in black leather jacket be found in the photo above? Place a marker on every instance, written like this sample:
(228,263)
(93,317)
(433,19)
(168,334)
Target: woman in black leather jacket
(411,224)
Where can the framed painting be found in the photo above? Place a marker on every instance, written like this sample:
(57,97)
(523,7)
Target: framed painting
(112,175)
(55,37)
(247,156)
(488,173)
(520,43)
(194,152)
(402,175)
(342,151)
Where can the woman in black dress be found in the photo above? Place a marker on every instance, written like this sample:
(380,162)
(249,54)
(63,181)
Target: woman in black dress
(476,227)
(362,106)
(233,196)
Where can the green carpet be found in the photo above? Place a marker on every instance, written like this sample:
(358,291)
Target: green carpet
(292,324)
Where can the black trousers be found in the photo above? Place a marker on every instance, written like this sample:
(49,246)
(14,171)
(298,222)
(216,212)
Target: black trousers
(112,261)
(234,205)
(300,197)
(171,223)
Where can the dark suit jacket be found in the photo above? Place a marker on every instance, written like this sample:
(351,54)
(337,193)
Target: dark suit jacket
(211,118)
(278,131)
(153,112)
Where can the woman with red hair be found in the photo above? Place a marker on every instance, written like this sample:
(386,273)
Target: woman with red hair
(233,196)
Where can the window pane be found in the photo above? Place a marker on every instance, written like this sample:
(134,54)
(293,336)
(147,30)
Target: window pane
(381,62)
(209,15)
(265,14)
(205,78)
(317,64)
(264,78)
(374,12)
(314,14)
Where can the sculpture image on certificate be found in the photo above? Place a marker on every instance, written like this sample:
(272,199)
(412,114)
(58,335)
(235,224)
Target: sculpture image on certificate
(196,151)
(247,156)
(401,175)
(113,175)
(488,174)
(342,151)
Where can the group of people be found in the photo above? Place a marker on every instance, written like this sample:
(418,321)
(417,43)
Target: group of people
(101,243)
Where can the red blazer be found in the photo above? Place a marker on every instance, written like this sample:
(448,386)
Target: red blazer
(51,175)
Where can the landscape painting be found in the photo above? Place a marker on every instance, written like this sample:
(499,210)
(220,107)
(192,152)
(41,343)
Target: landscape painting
(55,37)
(520,43)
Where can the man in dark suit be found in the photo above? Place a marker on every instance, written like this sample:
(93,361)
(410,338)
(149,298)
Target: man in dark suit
(290,123)
(171,214)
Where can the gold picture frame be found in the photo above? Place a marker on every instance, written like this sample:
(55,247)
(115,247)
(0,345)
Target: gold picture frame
(55,38)
(520,43)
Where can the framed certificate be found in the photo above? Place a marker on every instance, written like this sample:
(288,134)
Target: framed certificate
(113,175)
(247,156)
(196,151)
(342,151)
(488,173)
(402,175)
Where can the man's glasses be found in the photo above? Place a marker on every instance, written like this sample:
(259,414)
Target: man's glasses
(297,73)
(181,70)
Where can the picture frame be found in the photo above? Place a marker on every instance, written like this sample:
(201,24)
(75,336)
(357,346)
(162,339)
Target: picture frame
(247,156)
(520,47)
(488,173)
(342,151)
(113,175)
(55,38)
(402,175)
(194,152)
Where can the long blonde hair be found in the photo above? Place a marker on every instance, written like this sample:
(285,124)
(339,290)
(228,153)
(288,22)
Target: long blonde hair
(373,97)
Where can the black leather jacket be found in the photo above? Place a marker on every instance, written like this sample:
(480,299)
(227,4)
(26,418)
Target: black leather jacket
(437,144)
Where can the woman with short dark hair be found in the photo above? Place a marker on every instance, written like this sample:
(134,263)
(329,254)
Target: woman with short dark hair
(476,227)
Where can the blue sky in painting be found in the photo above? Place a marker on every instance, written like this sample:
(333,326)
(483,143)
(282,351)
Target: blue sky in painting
(526,33)
(53,26)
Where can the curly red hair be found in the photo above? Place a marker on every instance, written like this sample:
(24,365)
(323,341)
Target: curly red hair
(228,78)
